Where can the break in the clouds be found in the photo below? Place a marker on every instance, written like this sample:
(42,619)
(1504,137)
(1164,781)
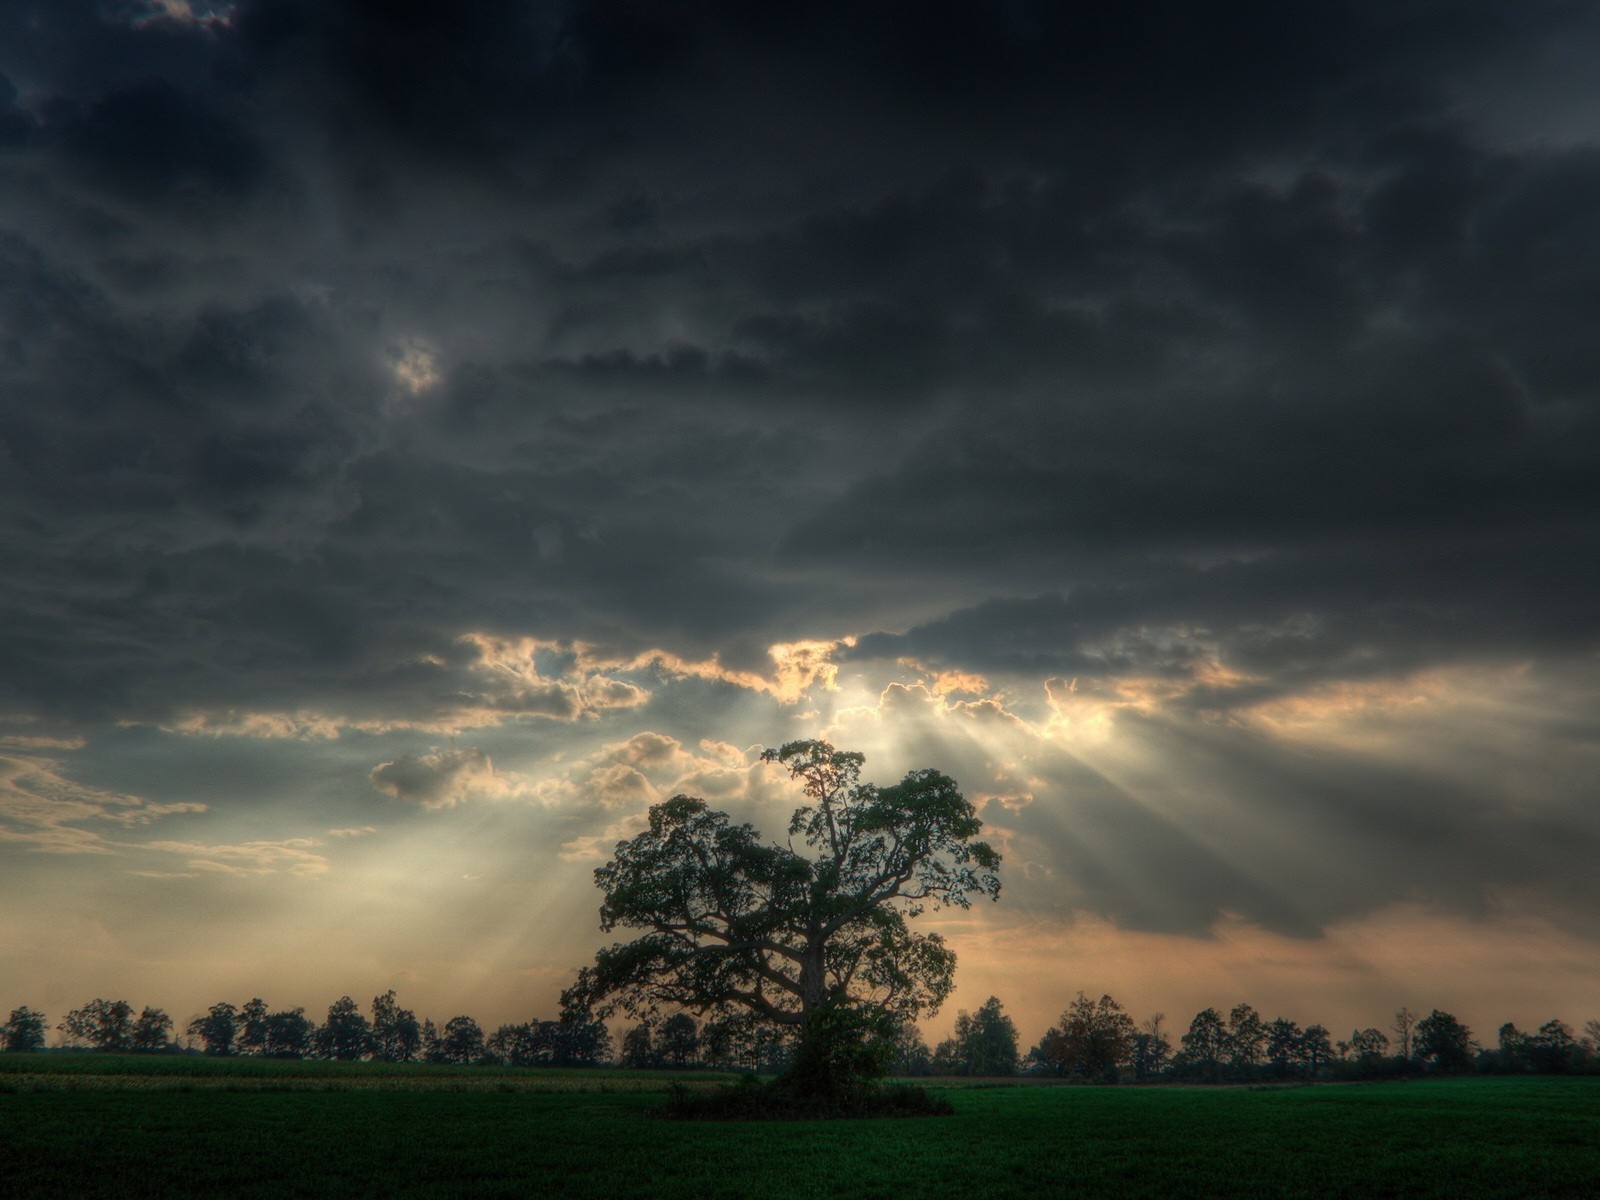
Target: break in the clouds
(461,425)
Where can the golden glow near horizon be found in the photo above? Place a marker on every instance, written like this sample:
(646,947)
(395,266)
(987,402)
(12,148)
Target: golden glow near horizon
(466,883)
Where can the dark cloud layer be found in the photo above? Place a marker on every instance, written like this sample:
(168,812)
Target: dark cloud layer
(1049,341)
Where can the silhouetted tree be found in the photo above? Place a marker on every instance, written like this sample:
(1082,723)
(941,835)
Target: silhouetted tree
(1444,1043)
(431,1052)
(1091,1040)
(344,1034)
(1369,1047)
(911,1053)
(1511,1052)
(1368,1043)
(1246,1037)
(152,1032)
(678,1041)
(1151,1050)
(744,1042)
(639,1048)
(578,1039)
(217,1029)
(1553,1050)
(1315,1049)
(1203,1046)
(1283,1045)
(289,1034)
(103,1024)
(24,1031)
(818,942)
(513,1046)
(1404,1021)
(985,1043)
(253,1026)
(396,1034)
(461,1042)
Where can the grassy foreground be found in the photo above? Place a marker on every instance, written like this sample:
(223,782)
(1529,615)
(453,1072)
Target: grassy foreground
(92,1126)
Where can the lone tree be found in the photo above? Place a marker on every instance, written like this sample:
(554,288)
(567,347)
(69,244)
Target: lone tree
(813,940)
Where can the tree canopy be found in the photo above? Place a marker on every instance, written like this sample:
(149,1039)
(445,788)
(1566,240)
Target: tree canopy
(733,923)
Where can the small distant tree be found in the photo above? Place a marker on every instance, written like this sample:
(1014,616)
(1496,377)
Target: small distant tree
(1368,1043)
(1203,1046)
(24,1031)
(678,1041)
(1444,1043)
(742,1042)
(1404,1021)
(1553,1050)
(344,1035)
(461,1042)
(217,1029)
(578,1039)
(1369,1046)
(430,1042)
(513,1046)
(396,1034)
(1151,1051)
(152,1032)
(911,1054)
(1090,1042)
(289,1034)
(253,1026)
(103,1024)
(1247,1035)
(1315,1049)
(985,1042)
(1511,1050)
(1283,1039)
(639,1048)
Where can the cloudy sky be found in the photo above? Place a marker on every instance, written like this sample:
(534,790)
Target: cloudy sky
(431,433)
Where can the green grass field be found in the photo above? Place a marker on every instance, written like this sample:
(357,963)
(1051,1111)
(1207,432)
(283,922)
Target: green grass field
(87,1125)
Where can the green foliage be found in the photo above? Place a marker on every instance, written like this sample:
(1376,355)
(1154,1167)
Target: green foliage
(842,1050)
(984,1043)
(733,924)
(1091,1041)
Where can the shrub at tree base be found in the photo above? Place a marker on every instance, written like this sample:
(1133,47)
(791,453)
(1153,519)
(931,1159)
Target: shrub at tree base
(752,1100)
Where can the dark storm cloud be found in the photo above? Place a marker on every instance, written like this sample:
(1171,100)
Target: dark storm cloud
(335,331)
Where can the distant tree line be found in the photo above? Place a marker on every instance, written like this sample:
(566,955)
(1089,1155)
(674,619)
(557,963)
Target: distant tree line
(1094,1041)
(390,1034)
